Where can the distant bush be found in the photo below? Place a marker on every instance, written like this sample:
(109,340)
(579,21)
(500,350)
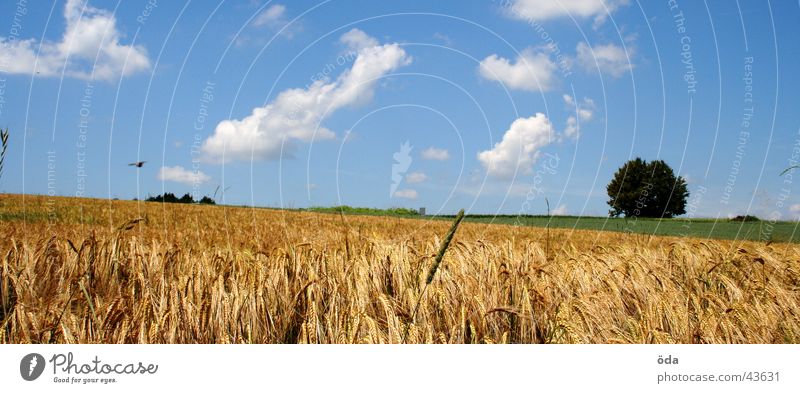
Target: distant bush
(186,198)
(169,197)
(746,218)
(402,211)
(206,201)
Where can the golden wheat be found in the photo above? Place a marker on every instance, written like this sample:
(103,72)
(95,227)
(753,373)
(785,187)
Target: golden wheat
(99,271)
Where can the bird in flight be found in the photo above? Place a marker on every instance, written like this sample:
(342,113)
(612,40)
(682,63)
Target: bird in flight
(137,164)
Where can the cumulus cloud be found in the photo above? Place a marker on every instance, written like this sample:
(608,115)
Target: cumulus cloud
(180,174)
(296,114)
(572,131)
(273,16)
(795,210)
(406,193)
(608,59)
(89,49)
(533,70)
(584,112)
(561,210)
(541,10)
(357,40)
(519,148)
(416,177)
(435,154)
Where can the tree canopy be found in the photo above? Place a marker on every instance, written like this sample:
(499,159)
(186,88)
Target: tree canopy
(647,189)
(169,197)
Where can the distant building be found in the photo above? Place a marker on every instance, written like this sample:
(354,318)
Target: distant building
(422,211)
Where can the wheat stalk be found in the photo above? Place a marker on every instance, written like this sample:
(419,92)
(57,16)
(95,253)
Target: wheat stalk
(443,247)
(435,267)
(4,143)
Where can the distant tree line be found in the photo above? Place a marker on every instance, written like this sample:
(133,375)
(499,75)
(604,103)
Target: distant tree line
(169,197)
(399,211)
(745,218)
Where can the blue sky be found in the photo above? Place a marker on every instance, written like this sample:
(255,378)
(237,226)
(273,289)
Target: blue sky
(502,103)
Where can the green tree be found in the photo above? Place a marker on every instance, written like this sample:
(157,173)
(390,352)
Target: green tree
(642,189)
(207,201)
(186,198)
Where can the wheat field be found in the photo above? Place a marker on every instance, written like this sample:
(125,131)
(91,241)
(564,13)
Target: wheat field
(100,271)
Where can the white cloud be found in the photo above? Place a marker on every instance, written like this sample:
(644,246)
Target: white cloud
(586,112)
(435,154)
(571,131)
(296,114)
(533,70)
(416,177)
(444,38)
(561,210)
(356,40)
(608,59)
(795,210)
(541,10)
(519,148)
(271,17)
(406,193)
(89,48)
(180,174)
(583,112)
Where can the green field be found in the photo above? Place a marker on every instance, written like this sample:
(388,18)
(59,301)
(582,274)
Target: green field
(723,228)
(780,231)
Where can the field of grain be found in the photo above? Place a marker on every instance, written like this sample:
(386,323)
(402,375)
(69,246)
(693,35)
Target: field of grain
(99,271)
